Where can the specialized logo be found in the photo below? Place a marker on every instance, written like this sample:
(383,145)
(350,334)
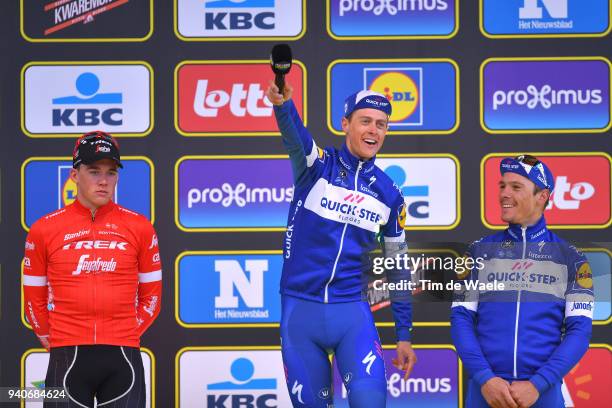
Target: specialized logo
(391,18)
(74,99)
(581,195)
(229,98)
(47,187)
(296,390)
(524,95)
(429,188)
(434,386)
(403,87)
(74,20)
(237,288)
(240,379)
(516,18)
(368,360)
(423,95)
(240,18)
(237,197)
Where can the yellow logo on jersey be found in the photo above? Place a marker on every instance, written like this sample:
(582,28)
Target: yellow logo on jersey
(69,192)
(401,91)
(401,218)
(584,276)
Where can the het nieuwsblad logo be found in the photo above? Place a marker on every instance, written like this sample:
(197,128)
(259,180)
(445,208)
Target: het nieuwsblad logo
(581,198)
(544,18)
(227,98)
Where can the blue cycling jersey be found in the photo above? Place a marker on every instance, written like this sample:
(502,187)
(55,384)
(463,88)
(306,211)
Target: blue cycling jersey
(340,204)
(539,326)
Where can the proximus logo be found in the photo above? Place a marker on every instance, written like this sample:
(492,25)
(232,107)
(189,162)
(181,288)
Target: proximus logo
(241,195)
(391,7)
(546,97)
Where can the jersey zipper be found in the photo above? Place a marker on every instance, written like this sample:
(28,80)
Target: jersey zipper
(518,303)
(95,333)
(326,295)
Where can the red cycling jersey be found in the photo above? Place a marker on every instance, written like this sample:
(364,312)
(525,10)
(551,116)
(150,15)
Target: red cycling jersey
(92,280)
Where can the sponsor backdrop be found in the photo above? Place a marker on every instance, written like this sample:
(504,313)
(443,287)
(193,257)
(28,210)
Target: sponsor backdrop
(181,84)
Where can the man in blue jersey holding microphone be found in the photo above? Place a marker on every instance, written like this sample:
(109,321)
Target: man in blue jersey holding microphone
(518,343)
(341,202)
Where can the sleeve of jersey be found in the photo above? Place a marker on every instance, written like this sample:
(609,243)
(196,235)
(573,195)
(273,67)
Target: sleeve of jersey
(579,305)
(35,290)
(395,245)
(149,280)
(463,330)
(303,151)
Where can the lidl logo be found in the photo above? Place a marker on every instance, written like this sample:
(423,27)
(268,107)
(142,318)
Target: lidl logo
(47,187)
(222,288)
(423,93)
(403,88)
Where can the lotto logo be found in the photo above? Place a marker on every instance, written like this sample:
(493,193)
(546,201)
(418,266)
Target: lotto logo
(228,98)
(581,196)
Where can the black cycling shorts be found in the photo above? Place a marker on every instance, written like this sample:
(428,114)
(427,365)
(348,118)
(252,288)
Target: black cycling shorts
(113,375)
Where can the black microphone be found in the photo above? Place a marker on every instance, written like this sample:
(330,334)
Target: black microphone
(280,60)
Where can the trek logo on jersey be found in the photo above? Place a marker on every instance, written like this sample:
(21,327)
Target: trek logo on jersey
(581,195)
(253,378)
(391,18)
(74,99)
(78,20)
(47,187)
(545,95)
(216,19)
(236,289)
(423,95)
(516,18)
(229,98)
(588,382)
(434,385)
(429,186)
(228,193)
(122,246)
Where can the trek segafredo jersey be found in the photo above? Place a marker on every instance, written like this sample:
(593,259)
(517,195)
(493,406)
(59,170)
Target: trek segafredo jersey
(340,203)
(92,280)
(539,326)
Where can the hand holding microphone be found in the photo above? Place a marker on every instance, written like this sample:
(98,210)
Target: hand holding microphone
(280,62)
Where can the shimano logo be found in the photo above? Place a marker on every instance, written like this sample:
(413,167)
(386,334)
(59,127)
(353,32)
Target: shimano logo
(79,234)
(390,7)
(241,195)
(122,246)
(546,97)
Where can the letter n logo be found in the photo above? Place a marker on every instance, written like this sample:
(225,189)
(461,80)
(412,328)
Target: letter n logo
(250,288)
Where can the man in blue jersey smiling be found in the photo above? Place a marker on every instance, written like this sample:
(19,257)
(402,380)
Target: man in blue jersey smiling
(518,343)
(341,202)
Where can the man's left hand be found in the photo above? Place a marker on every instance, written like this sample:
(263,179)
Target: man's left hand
(406,359)
(524,393)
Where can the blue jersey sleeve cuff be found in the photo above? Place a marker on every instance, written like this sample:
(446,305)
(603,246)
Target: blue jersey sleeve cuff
(402,334)
(540,383)
(482,376)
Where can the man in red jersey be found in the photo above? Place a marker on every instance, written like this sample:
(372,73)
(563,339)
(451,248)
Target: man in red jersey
(92,285)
